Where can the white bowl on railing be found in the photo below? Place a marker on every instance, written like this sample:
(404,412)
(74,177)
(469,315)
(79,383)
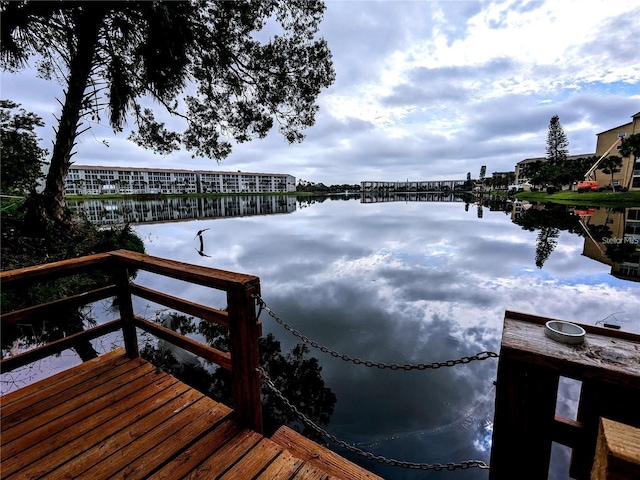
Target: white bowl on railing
(565,332)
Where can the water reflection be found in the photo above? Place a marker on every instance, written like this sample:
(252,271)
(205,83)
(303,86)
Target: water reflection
(383,197)
(165,209)
(611,236)
(410,282)
(295,374)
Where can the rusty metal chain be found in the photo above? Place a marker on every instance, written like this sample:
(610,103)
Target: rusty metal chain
(369,363)
(371,456)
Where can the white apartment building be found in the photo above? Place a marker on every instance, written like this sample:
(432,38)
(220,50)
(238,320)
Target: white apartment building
(90,180)
(423,186)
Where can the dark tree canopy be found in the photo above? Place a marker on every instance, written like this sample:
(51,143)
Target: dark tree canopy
(22,158)
(611,165)
(229,70)
(631,146)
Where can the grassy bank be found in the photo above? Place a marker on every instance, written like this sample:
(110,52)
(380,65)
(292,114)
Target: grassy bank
(609,199)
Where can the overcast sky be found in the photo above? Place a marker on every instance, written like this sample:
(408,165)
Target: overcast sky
(428,90)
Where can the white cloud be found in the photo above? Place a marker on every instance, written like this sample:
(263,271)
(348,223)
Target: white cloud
(430,90)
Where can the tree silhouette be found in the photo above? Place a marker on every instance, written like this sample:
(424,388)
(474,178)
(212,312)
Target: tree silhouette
(294,374)
(557,142)
(610,165)
(549,220)
(545,244)
(109,56)
(22,158)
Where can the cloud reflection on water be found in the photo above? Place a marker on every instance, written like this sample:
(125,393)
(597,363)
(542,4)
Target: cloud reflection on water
(404,283)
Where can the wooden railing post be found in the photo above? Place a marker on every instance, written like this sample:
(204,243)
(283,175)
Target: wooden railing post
(525,421)
(601,399)
(525,407)
(126,310)
(244,331)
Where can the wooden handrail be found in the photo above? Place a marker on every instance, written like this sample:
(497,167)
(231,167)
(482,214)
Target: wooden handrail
(609,332)
(207,276)
(49,271)
(208,353)
(206,313)
(28,314)
(244,329)
(57,346)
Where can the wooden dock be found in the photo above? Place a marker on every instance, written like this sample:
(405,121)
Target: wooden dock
(116,417)
(526,423)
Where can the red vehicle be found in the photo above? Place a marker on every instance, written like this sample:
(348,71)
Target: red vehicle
(587,186)
(584,211)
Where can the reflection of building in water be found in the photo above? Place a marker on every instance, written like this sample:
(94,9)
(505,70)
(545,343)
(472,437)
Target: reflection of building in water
(120,211)
(425,186)
(383,197)
(517,207)
(613,238)
(88,180)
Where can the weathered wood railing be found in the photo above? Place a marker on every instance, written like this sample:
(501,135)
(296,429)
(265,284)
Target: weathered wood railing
(240,317)
(531,364)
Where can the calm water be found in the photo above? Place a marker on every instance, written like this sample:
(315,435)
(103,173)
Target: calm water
(398,282)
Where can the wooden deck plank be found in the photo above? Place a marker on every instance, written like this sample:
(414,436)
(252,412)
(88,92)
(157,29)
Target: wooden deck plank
(17,399)
(226,457)
(115,417)
(66,451)
(181,465)
(256,460)
(319,456)
(283,467)
(92,367)
(50,397)
(103,413)
(45,411)
(113,453)
(160,452)
(600,358)
(310,472)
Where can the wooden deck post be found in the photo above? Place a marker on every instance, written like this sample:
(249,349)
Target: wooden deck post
(244,331)
(617,454)
(126,311)
(601,399)
(525,422)
(525,408)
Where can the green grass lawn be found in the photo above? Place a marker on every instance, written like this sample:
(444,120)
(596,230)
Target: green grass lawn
(610,199)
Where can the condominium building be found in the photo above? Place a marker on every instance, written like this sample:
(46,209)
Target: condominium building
(90,180)
(521,166)
(628,175)
(424,186)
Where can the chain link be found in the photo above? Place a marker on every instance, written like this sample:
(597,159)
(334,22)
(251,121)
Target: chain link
(368,363)
(371,456)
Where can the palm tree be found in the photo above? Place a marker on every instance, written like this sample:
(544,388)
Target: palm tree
(80,184)
(611,165)
(100,182)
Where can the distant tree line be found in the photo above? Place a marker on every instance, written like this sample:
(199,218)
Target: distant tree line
(557,169)
(306,186)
